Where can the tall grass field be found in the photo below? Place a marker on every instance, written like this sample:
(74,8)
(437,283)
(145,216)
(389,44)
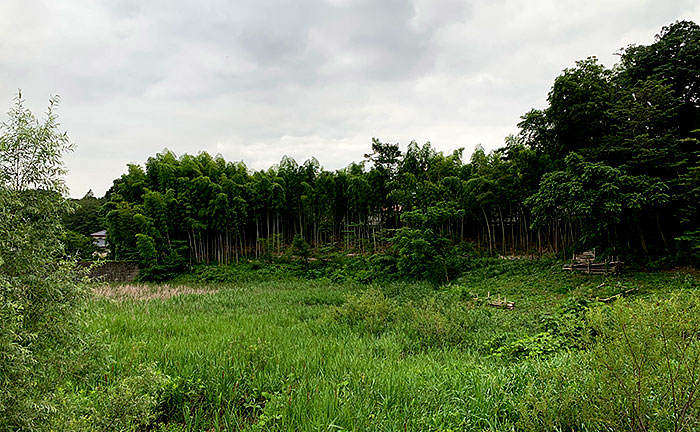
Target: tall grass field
(260,351)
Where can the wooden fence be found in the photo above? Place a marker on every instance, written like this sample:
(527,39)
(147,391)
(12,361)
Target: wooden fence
(585,263)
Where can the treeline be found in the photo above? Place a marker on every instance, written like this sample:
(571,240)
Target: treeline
(613,162)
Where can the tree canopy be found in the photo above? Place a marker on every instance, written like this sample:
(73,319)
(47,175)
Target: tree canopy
(611,162)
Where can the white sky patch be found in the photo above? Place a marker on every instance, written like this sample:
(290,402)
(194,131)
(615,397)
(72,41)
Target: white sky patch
(256,80)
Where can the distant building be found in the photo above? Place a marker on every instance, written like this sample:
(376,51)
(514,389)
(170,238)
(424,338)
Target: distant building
(99,238)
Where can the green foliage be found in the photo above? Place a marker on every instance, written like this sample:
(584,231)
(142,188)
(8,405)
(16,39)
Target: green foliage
(690,244)
(266,350)
(598,198)
(146,247)
(416,254)
(133,403)
(640,374)
(180,392)
(77,245)
(86,217)
(370,311)
(422,253)
(631,128)
(673,59)
(531,346)
(578,103)
(648,359)
(610,162)
(301,247)
(49,364)
(434,323)
(236,273)
(31,152)
(121,231)
(41,296)
(567,324)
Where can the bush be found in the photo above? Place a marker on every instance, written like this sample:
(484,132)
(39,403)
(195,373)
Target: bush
(647,360)
(133,403)
(301,248)
(370,311)
(421,254)
(49,365)
(535,346)
(41,296)
(567,325)
(642,372)
(435,323)
(41,299)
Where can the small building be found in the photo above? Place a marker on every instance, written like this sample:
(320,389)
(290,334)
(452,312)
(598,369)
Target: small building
(99,239)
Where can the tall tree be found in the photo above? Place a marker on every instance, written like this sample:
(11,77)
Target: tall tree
(673,59)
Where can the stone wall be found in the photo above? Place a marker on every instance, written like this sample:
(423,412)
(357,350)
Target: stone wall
(114,271)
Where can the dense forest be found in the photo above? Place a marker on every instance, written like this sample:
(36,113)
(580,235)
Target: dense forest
(612,162)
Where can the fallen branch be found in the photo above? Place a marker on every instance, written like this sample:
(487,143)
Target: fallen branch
(502,304)
(616,296)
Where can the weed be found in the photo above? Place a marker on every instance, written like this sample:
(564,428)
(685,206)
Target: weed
(268,350)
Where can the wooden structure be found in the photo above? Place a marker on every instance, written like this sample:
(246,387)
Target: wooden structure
(585,263)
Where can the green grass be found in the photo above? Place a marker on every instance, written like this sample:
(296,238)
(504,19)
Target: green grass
(281,353)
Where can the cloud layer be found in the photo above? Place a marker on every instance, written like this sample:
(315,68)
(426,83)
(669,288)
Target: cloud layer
(255,80)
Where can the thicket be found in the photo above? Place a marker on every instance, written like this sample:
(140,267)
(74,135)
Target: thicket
(612,162)
(641,373)
(40,296)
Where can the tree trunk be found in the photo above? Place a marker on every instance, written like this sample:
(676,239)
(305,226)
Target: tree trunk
(488,230)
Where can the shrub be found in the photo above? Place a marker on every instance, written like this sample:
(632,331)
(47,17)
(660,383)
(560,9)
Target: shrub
(435,323)
(41,297)
(647,362)
(567,325)
(534,346)
(642,372)
(370,310)
(301,248)
(421,254)
(132,403)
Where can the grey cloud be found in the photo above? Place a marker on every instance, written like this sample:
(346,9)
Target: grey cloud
(262,78)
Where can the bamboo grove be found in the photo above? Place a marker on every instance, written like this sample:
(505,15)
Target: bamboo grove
(611,162)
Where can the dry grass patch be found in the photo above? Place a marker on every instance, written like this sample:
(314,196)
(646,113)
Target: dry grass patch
(146,291)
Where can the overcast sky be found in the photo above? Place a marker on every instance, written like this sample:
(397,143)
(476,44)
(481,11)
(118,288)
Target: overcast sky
(256,80)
